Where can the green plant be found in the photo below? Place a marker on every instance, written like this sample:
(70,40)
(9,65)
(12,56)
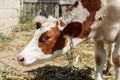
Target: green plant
(25,19)
(5,38)
(27,23)
(28,26)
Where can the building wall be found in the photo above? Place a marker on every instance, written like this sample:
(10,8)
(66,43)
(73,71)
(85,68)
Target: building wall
(9,15)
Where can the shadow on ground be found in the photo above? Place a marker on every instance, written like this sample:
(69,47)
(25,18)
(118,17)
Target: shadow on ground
(61,73)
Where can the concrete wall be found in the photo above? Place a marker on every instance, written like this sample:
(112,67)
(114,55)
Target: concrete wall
(9,15)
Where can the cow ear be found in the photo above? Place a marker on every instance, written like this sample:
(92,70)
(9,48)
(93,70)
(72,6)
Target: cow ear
(60,25)
(39,20)
(73,29)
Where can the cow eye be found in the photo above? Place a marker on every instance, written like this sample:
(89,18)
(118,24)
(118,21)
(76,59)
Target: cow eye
(45,38)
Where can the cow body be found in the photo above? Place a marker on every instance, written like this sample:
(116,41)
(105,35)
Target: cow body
(85,19)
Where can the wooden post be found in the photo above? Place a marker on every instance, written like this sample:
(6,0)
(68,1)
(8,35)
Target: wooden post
(63,7)
(57,10)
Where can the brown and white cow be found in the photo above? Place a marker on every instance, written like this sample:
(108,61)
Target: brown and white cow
(85,19)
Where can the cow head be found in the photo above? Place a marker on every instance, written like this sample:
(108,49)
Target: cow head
(50,40)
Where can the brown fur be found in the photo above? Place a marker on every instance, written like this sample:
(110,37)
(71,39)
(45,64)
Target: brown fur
(48,39)
(51,41)
(62,24)
(73,29)
(60,43)
(92,6)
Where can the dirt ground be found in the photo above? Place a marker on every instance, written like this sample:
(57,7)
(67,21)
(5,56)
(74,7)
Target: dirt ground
(11,70)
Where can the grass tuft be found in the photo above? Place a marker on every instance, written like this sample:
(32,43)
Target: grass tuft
(27,27)
(25,19)
(27,23)
(5,38)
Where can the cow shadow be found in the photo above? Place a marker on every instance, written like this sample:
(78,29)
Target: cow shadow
(62,73)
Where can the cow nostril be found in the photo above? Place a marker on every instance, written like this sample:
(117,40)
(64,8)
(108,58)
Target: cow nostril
(21,59)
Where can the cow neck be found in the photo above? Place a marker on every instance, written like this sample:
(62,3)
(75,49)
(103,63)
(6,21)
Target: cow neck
(82,11)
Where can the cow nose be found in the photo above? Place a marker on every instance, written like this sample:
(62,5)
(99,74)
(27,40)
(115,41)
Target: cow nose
(20,59)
